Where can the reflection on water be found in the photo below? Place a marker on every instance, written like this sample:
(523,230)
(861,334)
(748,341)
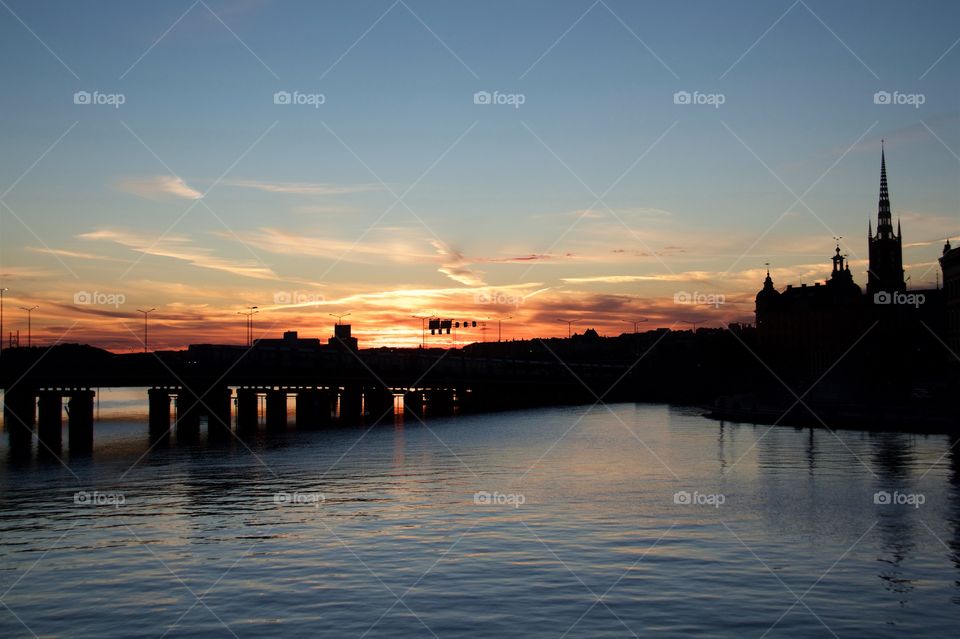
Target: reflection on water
(642,519)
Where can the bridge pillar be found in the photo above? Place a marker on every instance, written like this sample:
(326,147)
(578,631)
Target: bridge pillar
(80,424)
(19,417)
(188,415)
(159,402)
(247,410)
(217,402)
(466,400)
(440,401)
(313,408)
(413,402)
(351,403)
(277,409)
(378,402)
(328,399)
(50,421)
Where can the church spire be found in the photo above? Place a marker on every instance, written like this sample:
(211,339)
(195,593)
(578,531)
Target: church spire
(884,220)
(885,272)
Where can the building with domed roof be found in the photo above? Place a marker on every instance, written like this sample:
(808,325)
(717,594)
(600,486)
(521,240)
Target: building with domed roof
(805,331)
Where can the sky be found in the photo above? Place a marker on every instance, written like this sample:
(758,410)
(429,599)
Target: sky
(603,161)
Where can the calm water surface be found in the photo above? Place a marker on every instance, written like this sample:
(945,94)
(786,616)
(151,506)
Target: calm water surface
(353,532)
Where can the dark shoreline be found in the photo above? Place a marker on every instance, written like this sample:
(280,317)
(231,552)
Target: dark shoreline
(902,419)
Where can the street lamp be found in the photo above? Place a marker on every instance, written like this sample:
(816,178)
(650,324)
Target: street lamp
(499,320)
(29,323)
(250,312)
(339,317)
(635,322)
(2,289)
(145,313)
(569,324)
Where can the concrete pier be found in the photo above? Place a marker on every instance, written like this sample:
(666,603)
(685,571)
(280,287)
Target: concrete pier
(276,409)
(188,415)
(80,425)
(413,402)
(19,417)
(378,403)
(159,419)
(50,421)
(247,410)
(439,401)
(313,408)
(466,401)
(217,404)
(351,403)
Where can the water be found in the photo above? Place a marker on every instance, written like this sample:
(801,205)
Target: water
(352,533)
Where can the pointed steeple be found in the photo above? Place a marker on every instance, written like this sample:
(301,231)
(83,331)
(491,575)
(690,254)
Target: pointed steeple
(884,221)
(885,272)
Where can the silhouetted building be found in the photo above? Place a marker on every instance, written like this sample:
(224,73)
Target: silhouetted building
(806,331)
(342,338)
(810,327)
(290,342)
(950,263)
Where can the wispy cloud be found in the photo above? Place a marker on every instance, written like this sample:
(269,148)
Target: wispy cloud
(10,272)
(455,266)
(158,187)
(533,257)
(184,249)
(304,188)
(74,254)
(368,251)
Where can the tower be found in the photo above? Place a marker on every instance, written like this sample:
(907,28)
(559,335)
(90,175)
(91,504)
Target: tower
(886,253)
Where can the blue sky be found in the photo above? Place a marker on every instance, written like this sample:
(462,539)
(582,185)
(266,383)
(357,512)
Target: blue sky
(302,201)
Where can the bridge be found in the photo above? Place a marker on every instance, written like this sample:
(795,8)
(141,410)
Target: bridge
(332,383)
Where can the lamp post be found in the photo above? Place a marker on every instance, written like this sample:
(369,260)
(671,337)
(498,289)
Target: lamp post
(636,322)
(145,313)
(2,289)
(250,312)
(569,323)
(499,321)
(29,323)
(339,317)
